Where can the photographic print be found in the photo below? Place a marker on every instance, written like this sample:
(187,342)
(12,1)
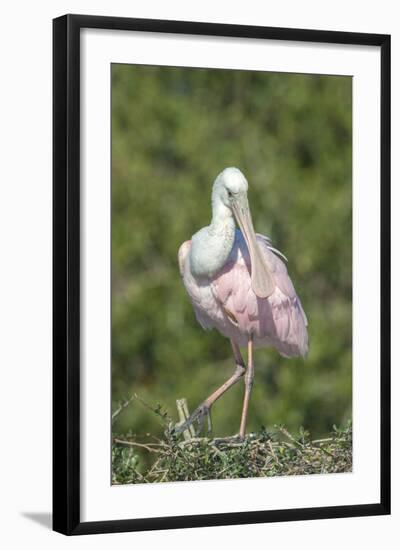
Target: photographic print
(231,247)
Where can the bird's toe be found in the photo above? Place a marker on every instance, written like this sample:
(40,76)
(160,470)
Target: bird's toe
(198,416)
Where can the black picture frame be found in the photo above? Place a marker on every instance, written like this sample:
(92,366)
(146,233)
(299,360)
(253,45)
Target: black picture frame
(66,273)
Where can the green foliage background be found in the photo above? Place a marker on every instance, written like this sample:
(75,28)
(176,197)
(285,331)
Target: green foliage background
(173,131)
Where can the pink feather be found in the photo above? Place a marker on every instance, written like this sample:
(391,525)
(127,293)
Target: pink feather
(227,302)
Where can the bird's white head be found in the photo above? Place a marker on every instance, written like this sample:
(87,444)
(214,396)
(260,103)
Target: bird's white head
(228,184)
(229,196)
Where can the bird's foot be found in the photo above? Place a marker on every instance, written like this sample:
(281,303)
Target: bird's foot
(202,412)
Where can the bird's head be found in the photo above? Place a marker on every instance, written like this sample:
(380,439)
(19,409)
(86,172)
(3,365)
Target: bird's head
(230,194)
(229,185)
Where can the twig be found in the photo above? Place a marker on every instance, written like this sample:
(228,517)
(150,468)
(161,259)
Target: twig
(183,415)
(136,444)
(154,411)
(273,452)
(283,430)
(120,408)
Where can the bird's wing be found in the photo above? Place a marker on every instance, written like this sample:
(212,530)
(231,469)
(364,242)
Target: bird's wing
(183,252)
(267,242)
(290,320)
(280,317)
(200,296)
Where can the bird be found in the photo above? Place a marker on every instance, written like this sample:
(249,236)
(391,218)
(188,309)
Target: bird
(238,284)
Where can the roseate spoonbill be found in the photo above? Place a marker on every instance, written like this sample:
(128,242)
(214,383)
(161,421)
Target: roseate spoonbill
(238,284)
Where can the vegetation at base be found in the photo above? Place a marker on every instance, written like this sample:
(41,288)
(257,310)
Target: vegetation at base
(262,454)
(170,458)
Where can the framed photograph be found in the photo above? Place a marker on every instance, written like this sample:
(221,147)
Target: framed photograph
(221,274)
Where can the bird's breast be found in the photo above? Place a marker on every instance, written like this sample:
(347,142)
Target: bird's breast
(210,251)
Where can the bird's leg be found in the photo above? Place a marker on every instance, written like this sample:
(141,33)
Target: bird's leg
(203,410)
(248,383)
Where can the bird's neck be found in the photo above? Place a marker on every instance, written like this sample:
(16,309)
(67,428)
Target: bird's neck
(222,219)
(212,245)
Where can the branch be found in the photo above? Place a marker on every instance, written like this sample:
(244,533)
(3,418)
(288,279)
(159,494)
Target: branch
(149,446)
(120,408)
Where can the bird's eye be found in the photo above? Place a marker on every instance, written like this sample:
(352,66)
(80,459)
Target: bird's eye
(229,194)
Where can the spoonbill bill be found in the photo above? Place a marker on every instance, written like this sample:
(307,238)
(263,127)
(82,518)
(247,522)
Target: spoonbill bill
(238,284)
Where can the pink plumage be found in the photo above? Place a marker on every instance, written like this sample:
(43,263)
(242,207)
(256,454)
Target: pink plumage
(228,303)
